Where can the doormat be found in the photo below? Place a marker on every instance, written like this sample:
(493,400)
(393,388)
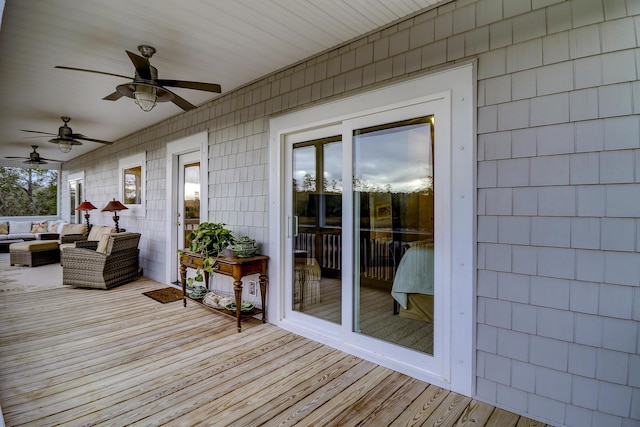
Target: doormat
(165,295)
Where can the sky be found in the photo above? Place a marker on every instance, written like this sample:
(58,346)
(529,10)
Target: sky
(399,158)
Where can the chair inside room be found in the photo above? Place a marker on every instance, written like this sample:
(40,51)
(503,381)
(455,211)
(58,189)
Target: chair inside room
(111,262)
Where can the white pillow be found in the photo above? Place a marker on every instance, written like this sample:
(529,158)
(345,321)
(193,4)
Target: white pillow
(54,226)
(19,227)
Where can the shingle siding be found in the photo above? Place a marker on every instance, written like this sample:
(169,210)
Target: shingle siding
(558,201)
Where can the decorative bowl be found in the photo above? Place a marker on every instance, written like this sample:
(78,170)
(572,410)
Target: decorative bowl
(198,292)
(245,307)
(244,247)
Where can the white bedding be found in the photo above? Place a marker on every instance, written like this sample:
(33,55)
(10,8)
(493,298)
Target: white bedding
(414,274)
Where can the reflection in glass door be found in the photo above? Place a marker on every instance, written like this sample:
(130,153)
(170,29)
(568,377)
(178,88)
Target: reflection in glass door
(317,214)
(393,194)
(191,199)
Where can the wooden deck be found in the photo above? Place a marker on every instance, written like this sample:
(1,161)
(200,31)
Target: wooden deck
(90,357)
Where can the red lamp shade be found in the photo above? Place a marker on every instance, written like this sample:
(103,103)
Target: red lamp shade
(114,206)
(85,206)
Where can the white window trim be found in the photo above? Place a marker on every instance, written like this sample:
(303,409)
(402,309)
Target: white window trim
(134,210)
(459,81)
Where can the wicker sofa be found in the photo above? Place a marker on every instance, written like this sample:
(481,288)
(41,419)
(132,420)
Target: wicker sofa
(110,262)
(13,231)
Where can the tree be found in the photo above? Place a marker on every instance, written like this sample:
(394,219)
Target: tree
(28,192)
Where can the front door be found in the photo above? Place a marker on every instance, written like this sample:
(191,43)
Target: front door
(186,177)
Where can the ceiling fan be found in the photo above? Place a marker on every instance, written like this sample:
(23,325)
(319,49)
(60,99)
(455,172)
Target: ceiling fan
(146,88)
(34,160)
(65,138)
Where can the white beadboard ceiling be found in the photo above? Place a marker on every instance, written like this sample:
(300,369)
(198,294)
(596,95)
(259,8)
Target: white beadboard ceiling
(230,42)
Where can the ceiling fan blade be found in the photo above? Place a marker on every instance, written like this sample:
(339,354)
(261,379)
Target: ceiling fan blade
(141,64)
(85,138)
(181,102)
(35,131)
(209,87)
(51,160)
(113,97)
(92,71)
(16,157)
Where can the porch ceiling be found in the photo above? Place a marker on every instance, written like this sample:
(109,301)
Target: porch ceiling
(219,41)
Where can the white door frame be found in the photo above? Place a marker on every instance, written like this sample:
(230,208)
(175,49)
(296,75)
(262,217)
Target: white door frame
(458,83)
(198,142)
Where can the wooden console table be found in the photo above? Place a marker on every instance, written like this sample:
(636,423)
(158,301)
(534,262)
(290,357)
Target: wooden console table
(232,267)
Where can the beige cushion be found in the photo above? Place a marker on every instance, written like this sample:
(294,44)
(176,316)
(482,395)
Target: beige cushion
(33,245)
(103,243)
(4,228)
(98,231)
(66,245)
(73,229)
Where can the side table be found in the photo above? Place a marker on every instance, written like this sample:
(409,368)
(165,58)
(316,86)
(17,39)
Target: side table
(236,268)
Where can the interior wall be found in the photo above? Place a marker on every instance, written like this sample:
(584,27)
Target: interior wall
(558,171)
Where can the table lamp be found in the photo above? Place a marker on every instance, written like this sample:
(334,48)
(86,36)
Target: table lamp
(115,206)
(86,207)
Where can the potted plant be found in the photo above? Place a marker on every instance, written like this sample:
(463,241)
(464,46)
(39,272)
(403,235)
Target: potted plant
(208,240)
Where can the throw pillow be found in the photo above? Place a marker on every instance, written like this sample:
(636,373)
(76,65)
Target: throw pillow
(103,243)
(16,227)
(39,227)
(4,228)
(98,231)
(52,226)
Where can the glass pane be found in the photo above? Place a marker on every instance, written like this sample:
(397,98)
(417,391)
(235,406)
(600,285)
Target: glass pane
(191,199)
(76,195)
(394,239)
(317,247)
(133,185)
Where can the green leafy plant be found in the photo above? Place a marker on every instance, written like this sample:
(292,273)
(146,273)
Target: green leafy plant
(208,240)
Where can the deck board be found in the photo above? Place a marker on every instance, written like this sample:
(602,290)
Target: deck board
(93,357)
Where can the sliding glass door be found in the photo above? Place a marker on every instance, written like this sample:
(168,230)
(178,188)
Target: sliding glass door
(373,198)
(365,245)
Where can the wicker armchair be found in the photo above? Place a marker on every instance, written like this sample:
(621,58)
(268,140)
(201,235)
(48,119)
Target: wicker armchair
(111,262)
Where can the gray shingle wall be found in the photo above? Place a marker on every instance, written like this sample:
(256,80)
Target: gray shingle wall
(559,203)
(558,197)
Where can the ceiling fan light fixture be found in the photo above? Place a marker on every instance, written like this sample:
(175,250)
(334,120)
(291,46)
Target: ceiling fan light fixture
(145,96)
(34,164)
(65,146)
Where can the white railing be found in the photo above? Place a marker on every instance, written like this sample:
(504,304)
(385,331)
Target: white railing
(378,259)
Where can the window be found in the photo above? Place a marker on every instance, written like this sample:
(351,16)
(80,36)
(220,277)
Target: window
(132,184)
(28,192)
